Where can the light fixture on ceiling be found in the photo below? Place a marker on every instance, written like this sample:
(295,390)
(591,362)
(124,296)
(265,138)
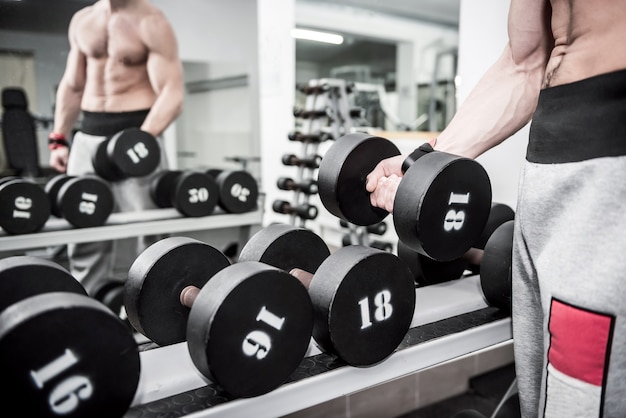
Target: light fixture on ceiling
(313,35)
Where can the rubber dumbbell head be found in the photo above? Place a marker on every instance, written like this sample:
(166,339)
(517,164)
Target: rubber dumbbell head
(238,190)
(441,205)
(286,247)
(377,229)
(247,325)
(156,279)
(85,350)
(192,193)
(22,277)
(496,267)
(129,153)
(312,137)
(311,161)
(381,245)
(499,214)
(263,311)
(304,211)
(428,271)
(52,188)
(24,206)
(308,186)
(84,201)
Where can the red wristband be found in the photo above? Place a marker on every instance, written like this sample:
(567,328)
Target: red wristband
(56,140)
(433,142)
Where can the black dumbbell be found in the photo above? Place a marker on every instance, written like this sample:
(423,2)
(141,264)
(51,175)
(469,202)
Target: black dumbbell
(192,193)
(129,153)
(495,262)
(312,161)
(363,298)
(307,186)
(314,113)
(247,325)
(238,190)
(62,351)
(24,206)
(377,229)
(357,113)
(313,137)
(428,271)
(498,215)
(382,245)
(84,201)
(318,89)
(442,203)
(304,210)
(496,267)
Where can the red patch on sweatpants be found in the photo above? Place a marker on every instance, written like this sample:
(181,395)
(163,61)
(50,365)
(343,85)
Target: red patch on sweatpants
(579,341)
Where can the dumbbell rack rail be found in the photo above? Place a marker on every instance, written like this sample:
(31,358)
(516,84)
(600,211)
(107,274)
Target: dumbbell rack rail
(130,224)
(451,320)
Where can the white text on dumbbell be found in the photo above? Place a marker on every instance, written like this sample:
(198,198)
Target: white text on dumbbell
(383,308)
(454,219)
(88,203)
(198,195)
(66,396)
(22,204)
(240,192)
(258,343)
(138,152)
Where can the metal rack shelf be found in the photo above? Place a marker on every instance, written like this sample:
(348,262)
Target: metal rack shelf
(450,320)
(129,224)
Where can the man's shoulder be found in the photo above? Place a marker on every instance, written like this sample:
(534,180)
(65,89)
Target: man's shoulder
(154,22)
(86,12)
(152,14)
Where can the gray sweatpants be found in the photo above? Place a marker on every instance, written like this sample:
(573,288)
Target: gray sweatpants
(569,265)
(94,261)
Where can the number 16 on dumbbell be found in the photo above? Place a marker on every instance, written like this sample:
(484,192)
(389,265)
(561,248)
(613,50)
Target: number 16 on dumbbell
(442,203)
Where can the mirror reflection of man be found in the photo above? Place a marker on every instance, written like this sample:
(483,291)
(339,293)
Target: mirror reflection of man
(122,71)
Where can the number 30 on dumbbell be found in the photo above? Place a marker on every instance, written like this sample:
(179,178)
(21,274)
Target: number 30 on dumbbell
(442,202)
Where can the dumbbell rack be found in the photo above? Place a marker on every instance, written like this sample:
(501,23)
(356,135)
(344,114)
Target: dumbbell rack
(327,115)
(129,224)
(450,320)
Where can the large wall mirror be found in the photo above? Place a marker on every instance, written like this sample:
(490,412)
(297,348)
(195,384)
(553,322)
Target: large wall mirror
(33,50)
(213,130)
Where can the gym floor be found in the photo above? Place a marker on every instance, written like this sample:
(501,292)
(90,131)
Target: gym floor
(484,395)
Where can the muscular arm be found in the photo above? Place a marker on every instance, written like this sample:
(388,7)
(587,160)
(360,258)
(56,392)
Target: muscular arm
(71,87)
(500,104)
(505,98)
(165,73)
(69,96)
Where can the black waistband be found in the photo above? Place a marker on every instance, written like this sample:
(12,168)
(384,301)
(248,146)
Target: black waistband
(109,123)
(580,121)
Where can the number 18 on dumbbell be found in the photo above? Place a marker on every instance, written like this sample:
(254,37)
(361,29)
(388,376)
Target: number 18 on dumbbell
(442,203)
